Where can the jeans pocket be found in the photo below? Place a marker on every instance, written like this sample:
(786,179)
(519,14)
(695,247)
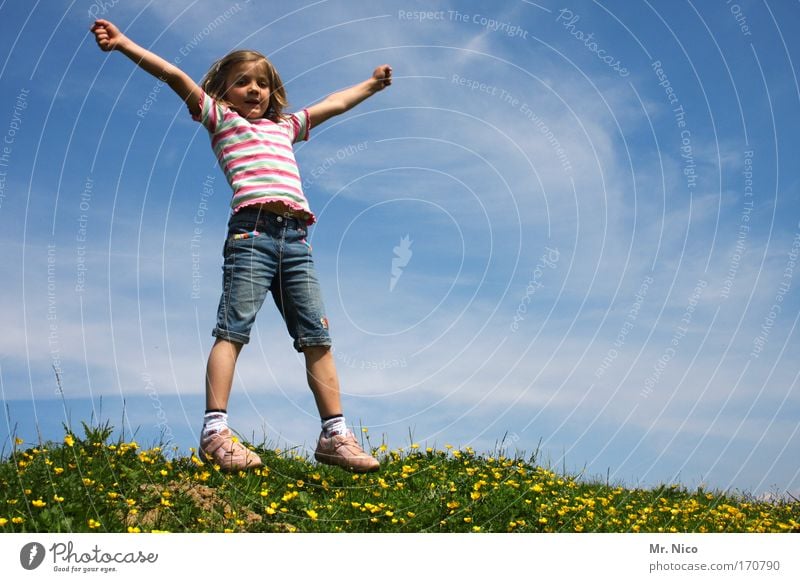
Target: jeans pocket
(243,235)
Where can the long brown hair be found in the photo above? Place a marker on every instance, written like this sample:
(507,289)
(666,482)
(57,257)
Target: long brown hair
(214,83)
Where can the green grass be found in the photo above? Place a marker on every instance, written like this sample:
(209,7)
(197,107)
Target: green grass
(94,484)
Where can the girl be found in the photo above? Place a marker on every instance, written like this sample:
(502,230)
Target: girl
(241,101)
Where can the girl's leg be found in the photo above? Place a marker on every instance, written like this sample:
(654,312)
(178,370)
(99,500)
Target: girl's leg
(341,448)
(323,380)
(216,440)
(219,373)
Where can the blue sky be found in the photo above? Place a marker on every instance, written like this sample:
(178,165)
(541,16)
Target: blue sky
(599,201)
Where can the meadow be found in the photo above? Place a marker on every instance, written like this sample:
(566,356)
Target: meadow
(95,483)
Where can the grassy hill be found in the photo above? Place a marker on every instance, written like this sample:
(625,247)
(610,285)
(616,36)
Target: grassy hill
(91,484)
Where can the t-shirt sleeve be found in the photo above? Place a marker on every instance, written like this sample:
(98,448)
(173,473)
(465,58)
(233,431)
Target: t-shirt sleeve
(299,125)
(211,113)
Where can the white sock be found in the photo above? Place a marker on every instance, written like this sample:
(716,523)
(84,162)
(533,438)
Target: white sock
(214,422)
(333,426)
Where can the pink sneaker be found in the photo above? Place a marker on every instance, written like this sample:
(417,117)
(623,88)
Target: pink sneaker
(345,452)
(229,454)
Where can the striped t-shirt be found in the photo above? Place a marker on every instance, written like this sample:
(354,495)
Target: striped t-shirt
(256,155)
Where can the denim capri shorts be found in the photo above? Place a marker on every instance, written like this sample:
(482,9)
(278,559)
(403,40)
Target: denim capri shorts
(269,252)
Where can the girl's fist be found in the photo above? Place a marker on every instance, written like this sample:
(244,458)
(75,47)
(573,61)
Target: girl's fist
(107,35)
(384,75)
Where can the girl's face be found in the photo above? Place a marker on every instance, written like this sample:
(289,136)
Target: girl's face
(248,89)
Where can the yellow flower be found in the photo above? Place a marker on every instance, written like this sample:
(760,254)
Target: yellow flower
(93,524)
(58,470)
(57,498)
(475,495)
(269,511)
(452,504)
(69,440)
(17,520)
(38,503)
(18,441)
(312,514)
(476,528)
(133,529)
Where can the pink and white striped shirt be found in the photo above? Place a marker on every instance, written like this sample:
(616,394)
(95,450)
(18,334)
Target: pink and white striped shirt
(257,156)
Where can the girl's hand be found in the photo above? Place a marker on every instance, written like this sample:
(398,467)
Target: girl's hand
(107,35)
(383,75)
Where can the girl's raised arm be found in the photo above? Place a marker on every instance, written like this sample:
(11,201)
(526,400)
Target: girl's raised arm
(344,100)
(109,38)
